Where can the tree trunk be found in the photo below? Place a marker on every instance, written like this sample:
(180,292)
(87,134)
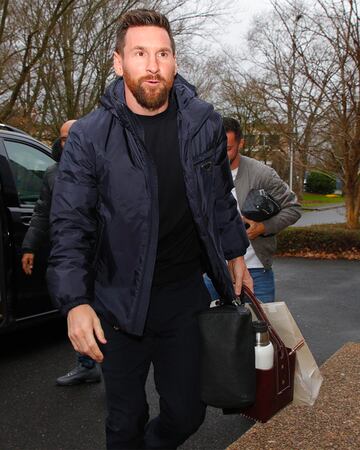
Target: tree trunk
(352,210)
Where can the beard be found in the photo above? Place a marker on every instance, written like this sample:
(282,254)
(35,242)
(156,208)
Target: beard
(231,160)
(149,97)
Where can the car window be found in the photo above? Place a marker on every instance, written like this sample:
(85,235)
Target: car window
(28,165)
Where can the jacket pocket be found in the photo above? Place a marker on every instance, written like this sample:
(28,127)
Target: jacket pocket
(205,157)
(204,172)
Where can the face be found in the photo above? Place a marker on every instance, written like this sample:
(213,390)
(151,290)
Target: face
(148,67)
(233,146)
(64,131)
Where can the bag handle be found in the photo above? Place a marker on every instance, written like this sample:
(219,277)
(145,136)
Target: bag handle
(280,353)
(261,315)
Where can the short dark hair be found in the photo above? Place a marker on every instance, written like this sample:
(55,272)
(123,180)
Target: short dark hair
(141,18)
(233,125)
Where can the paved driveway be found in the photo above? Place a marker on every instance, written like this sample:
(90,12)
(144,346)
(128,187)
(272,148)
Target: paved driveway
(327,215)
(37,415)
(324,297)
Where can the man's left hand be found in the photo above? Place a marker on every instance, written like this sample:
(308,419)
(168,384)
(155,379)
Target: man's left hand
(27,262)
(255,228)
(240,274)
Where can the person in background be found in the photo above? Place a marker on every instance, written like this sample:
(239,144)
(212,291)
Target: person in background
(248,173)
(132,225)
(87,369)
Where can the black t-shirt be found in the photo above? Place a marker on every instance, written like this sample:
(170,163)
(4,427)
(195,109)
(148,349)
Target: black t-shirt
(178,252)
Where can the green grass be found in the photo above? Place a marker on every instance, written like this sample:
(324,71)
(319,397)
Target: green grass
(310,200)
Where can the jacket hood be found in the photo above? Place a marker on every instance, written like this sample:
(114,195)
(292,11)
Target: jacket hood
(114,96)
(185,94)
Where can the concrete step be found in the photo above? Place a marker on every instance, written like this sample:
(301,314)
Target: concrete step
(332,423)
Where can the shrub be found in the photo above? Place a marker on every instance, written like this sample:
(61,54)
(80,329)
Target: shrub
(319,238)
(320,183)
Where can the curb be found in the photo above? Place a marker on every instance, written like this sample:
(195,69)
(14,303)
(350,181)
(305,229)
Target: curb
(322,208)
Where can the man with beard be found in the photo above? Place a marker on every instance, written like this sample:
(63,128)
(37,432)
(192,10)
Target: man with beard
(142,207)
(249,174)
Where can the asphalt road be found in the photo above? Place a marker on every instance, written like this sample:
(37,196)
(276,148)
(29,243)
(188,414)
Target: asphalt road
(335,214)
(35,414)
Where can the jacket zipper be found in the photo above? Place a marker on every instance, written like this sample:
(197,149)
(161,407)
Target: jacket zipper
(151,178)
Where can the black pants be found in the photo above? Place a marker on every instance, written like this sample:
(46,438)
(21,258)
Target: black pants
(171,343)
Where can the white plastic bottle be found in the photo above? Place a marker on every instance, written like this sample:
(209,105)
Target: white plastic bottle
(264,350)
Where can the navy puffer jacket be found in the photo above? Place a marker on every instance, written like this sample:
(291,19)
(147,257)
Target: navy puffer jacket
(104,217)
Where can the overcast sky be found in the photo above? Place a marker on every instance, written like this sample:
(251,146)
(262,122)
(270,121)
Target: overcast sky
(242,14)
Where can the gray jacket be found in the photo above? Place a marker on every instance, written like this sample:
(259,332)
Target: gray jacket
(253,174)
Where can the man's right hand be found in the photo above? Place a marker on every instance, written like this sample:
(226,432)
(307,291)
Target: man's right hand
(27,262)
(83,326)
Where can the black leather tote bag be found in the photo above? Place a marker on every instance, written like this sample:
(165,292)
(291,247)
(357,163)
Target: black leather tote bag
(228,356)
(259,206)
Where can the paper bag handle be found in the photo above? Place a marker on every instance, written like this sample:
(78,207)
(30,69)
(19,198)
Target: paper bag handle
(279,345)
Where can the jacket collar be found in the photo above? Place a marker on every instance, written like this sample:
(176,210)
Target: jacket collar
(193,110)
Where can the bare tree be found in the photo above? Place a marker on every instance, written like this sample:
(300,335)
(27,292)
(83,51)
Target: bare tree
(336,25)
(290,98)
(268,90)
(58,54)
(41,19)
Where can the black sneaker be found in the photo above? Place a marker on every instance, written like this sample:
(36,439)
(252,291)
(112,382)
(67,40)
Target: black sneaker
(80,374)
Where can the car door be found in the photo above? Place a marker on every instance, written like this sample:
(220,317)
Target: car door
(28,161)
(3,264)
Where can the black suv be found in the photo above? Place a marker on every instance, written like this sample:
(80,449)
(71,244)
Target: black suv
(23,161)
